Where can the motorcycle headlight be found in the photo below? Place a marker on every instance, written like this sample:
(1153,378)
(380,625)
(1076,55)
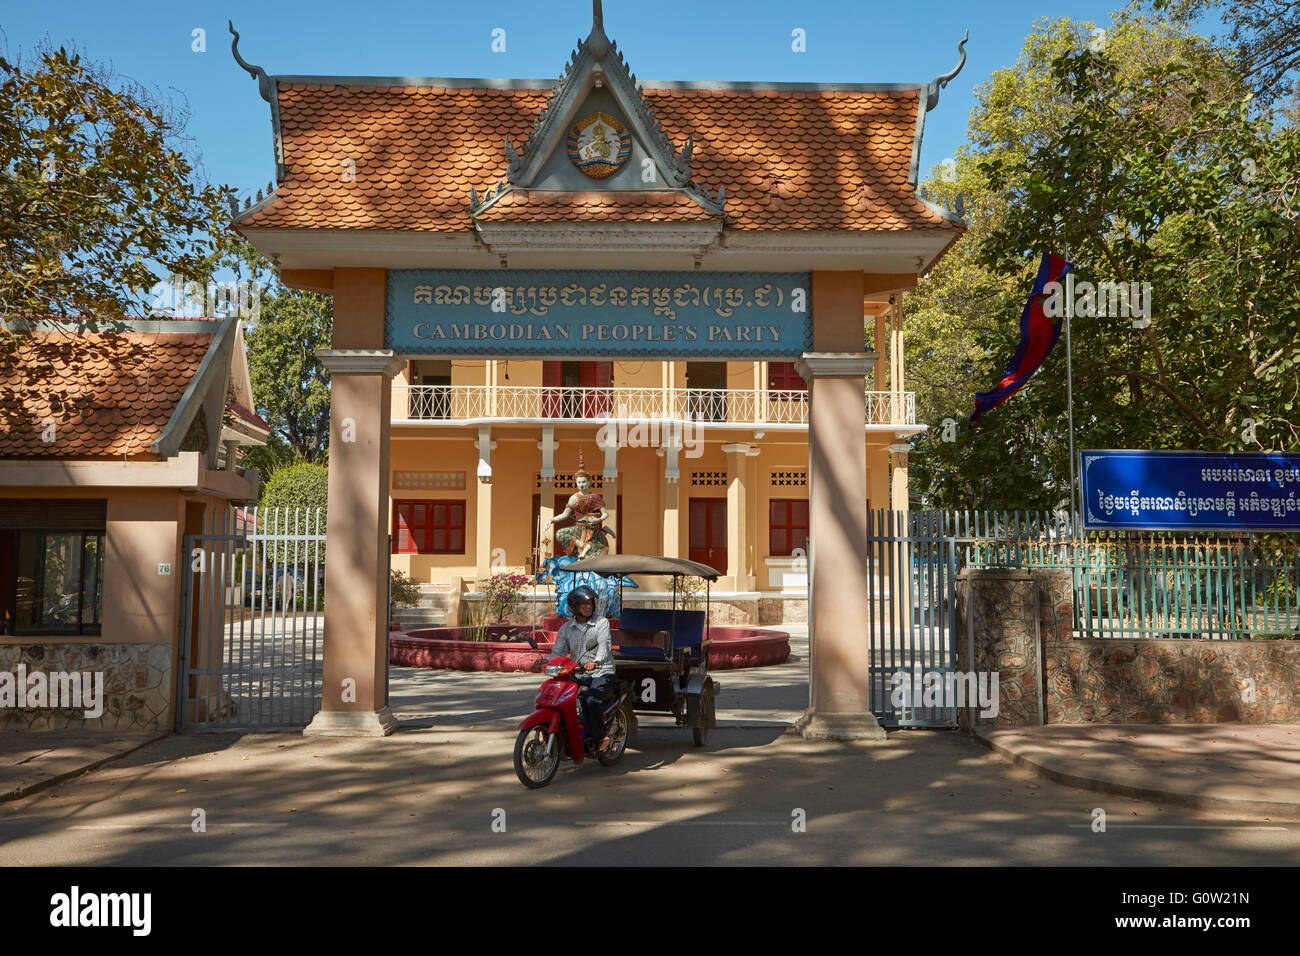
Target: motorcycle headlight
(553,670)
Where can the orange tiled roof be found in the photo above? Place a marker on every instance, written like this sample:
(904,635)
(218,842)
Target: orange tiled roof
(823,159)
(109,394)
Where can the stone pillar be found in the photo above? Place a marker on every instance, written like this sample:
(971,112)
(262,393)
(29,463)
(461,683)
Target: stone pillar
(839,691)
(354,691)
(998,636)
(898,476)
(738,515)
(483,504)
(672,538)
(881,345)
(546,493)
(609,492)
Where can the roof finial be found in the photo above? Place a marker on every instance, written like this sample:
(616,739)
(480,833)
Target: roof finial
(597,42)
(256,72)
(939,82)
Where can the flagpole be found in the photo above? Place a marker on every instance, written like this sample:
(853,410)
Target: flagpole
(1069,389)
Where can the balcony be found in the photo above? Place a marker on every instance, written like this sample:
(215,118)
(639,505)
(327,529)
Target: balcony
(466,404)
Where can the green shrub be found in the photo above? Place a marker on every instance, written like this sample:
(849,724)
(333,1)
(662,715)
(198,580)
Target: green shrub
(300,485)
(690,591)
(405,592)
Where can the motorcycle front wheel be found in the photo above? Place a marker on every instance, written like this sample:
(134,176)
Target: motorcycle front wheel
(532,766)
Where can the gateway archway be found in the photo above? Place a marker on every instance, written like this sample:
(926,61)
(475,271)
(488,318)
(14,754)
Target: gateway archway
(672,225)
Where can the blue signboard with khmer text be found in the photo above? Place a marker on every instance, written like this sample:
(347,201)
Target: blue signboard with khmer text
(1190,491)
(590,313)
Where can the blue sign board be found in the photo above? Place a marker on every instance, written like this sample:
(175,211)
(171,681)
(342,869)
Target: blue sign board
(617,314)
(1190,491)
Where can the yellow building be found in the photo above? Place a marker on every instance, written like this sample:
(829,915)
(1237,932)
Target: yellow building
(703,460)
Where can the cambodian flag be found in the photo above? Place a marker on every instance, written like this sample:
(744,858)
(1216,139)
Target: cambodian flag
(1038,334)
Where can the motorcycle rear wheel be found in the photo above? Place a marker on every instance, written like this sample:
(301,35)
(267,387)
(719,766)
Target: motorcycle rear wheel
(618,733)
(533,768)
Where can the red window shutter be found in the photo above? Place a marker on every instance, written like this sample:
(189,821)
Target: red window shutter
(787,524)
(782,376)
(429,527)
(401,528)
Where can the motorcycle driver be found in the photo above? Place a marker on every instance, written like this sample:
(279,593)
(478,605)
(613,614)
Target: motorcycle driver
(585,639)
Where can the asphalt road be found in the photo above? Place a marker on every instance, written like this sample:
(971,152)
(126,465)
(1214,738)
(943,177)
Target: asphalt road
(429,796)
(443,791)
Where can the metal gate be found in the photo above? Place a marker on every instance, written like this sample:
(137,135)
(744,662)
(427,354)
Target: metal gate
(251,625)
(913,560)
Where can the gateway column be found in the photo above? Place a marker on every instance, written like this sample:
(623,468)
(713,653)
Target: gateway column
(840,694)
(354,691)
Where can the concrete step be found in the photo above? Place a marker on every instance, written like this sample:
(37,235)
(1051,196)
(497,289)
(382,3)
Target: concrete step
(410,617)
(435,596)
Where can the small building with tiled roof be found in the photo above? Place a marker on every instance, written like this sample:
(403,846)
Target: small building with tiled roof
(117,438)
(695,287)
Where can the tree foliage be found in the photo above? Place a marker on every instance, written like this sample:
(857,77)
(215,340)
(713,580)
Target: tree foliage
(1262,38)
(95,190)
(1143,159)
(290,386)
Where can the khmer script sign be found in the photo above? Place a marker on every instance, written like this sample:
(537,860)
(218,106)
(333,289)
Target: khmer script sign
(589,313)
(1190,490)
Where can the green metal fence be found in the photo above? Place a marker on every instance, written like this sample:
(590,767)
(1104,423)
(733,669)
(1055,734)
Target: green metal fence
(1142,586)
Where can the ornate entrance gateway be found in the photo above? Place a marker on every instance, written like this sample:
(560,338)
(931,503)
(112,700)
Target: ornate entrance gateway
(596,219)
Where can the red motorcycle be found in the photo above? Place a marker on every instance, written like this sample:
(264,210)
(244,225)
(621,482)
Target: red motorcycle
(555,731)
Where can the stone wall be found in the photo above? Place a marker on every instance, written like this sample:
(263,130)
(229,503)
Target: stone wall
(137,694)
(1021,621)
(1157,681)
(998,622)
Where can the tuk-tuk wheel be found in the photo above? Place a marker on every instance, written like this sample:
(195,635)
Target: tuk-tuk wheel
(701,733)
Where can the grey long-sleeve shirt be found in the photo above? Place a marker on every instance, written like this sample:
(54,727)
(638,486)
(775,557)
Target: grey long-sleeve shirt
(586,642)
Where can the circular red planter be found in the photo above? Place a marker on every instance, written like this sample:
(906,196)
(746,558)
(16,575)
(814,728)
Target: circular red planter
(446,648)
(730,648)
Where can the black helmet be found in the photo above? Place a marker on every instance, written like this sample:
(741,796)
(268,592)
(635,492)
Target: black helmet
(580,595)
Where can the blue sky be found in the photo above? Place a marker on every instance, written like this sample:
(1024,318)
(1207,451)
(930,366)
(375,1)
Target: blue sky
(862,42)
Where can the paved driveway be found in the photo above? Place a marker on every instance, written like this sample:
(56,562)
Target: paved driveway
(443,791)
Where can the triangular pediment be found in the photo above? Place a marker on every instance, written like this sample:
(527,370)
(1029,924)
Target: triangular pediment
(598,133)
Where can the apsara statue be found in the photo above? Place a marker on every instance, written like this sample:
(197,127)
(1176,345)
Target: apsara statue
(588,536)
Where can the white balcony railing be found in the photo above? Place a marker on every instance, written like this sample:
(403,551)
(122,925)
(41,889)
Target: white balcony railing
(541,403)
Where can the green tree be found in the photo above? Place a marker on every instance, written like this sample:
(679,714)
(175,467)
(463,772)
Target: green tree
(95,190)
(1262,41)
(1142,157)
(290,386)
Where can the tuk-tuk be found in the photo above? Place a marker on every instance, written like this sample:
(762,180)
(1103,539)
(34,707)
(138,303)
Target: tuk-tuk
(663,653)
